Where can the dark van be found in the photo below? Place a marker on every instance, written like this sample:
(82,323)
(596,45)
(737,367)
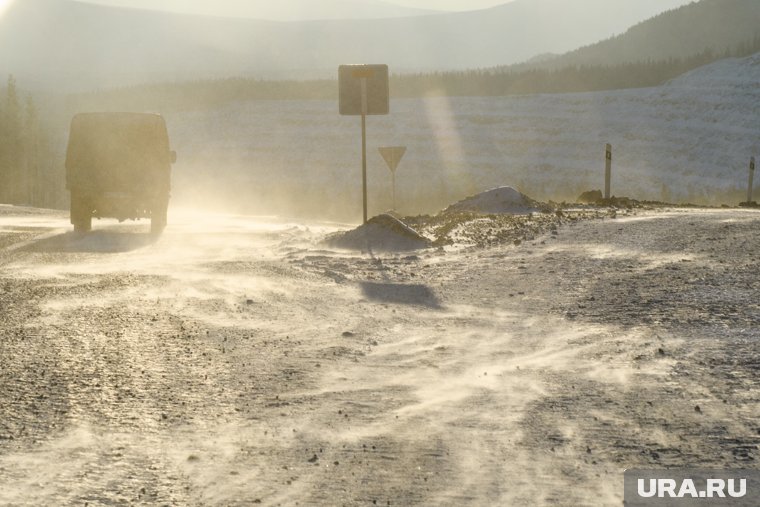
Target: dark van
(118,165)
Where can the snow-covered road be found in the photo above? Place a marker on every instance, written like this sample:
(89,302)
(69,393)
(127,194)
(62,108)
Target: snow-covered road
(236,361)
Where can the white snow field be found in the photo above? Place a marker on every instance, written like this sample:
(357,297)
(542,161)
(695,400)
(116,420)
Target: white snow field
(497,200)
(688,140)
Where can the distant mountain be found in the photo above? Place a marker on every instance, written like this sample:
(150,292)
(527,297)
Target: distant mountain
(649,54)
(290,10)
(68,45)
(716,26)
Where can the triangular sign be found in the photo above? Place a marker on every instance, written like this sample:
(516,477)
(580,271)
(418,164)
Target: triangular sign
(392,155)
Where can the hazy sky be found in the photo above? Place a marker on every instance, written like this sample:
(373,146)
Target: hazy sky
(227,6)
(451,5)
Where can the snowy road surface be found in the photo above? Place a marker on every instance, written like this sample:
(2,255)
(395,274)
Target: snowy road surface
(234,361)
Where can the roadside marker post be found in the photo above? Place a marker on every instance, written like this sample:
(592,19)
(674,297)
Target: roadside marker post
(362,91)
(751,177)
(607,171)
(392,156)
(363,81)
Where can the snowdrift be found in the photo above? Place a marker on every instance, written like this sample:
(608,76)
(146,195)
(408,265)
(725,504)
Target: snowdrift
(497,201)
(383,233)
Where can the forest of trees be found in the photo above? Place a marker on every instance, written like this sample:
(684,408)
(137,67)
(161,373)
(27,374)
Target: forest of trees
(27,170)
(583,78)
(479,82)
(722,26)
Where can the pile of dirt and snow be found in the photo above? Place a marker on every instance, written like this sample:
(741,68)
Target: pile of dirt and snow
(497,201)
(497,216)
(383,232)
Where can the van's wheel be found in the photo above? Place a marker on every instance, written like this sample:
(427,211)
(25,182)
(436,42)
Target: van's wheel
(81,213)
(158,216)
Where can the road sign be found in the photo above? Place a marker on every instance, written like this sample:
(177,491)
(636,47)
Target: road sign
(363,90)
(392,155)
(352,79)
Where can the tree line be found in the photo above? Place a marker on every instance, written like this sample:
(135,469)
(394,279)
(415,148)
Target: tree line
(496,81)
(570,79)
(28,174)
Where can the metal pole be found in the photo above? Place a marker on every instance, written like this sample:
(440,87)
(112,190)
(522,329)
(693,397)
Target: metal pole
(607,171)
(364,145)
(393,178)
(751,175)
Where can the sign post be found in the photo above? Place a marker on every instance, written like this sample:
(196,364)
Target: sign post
(362,91)
(751,177)
(607,171)
(364,146)
(392,156)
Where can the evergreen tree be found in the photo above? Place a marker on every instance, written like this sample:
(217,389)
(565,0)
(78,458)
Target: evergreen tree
(31,151)
(24,149)
(12,188)
(4,152)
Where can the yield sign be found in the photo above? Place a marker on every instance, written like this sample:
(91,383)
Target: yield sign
(392,155)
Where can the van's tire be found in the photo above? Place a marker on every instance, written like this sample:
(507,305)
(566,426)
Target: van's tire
(158,216)
(81,213)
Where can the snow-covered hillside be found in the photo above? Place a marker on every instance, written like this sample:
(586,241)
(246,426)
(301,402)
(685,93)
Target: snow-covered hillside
(690,139)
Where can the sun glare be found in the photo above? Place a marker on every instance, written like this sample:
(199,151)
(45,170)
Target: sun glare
(4,4)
